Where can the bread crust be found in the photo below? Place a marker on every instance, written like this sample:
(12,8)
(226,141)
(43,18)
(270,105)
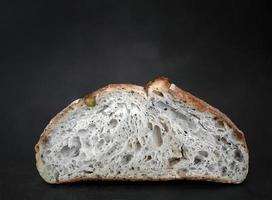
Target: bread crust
(161,83)
(146,178)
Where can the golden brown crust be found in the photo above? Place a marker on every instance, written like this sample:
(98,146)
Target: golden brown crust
(161,84)
(114,87)
(145,178)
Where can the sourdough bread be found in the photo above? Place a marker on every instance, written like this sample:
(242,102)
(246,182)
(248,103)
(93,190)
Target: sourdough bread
(128,132)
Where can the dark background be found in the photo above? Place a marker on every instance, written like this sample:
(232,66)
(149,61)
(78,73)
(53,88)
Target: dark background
(53,53)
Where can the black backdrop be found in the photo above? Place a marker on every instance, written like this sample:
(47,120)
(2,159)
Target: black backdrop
(53,53)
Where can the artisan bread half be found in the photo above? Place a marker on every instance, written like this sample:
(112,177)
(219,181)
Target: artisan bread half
(129,132)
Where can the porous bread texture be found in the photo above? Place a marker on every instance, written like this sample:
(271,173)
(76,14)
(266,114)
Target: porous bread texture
(137,134)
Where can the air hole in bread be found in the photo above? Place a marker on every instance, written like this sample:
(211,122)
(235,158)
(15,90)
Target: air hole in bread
(165,126)
(182,171)
(149,157)
(153,162)
(88,171)
(129,145)
(87,142)
(203,153)
(138,145)
(238,155)
(113,123)
(91,126)
(56,175)
(192,168)
(225,141)
(210,167)
(173,161)
(197,160)
(216,153)
(99,165)
(107,139)
(72,151)
(100,143)
(224,171)
(217,139)
(157,138)
(158,93)
(91,165)
(82,131)
(126,159)
(102,109)
(224,148)
(232,165)
(149,125)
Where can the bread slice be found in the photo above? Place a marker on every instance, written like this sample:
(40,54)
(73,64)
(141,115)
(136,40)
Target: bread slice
(128,132)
